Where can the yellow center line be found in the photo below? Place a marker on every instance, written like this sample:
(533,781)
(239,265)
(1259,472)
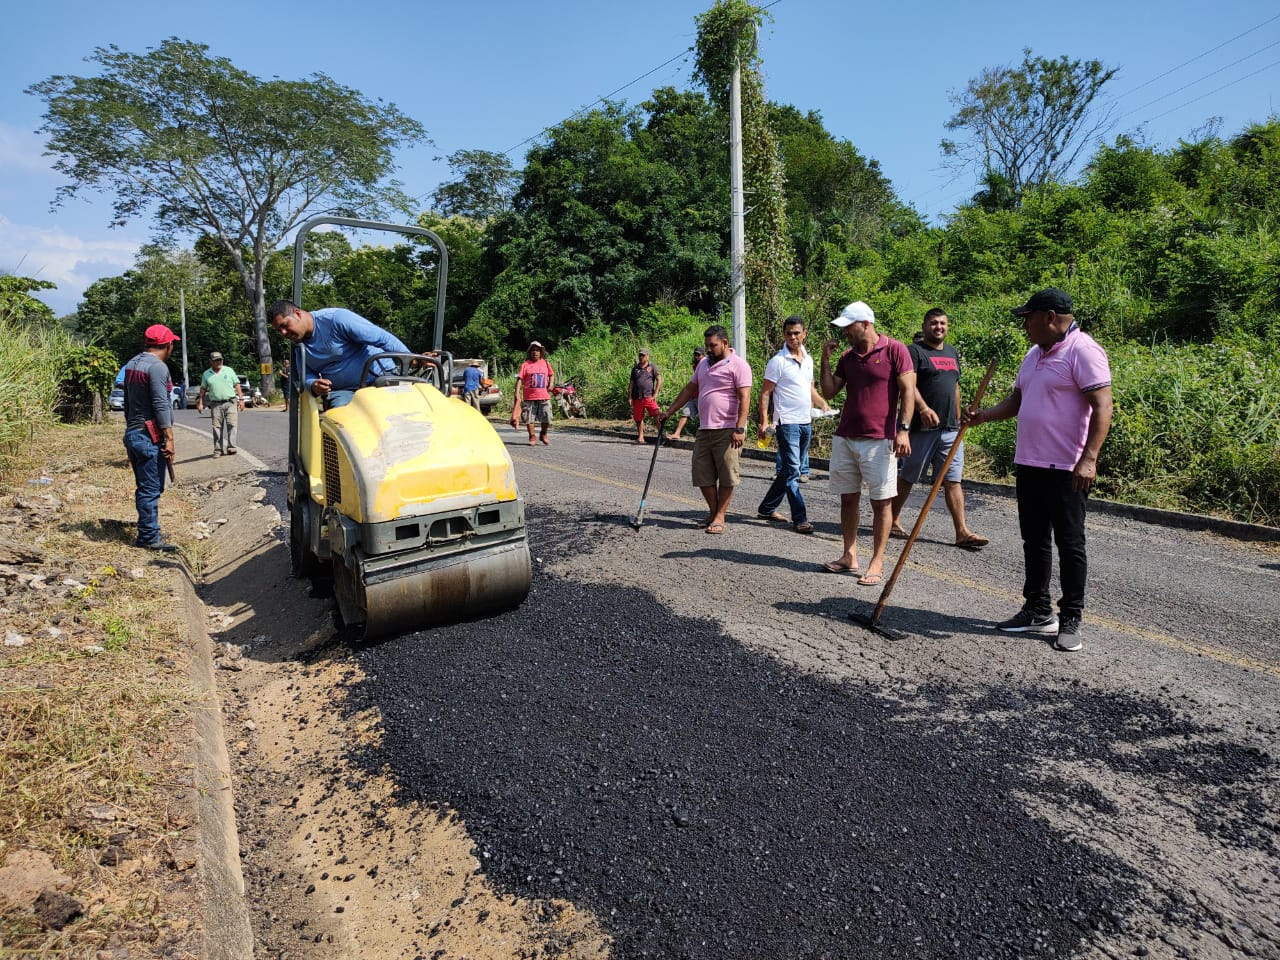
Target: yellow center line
(1117,626)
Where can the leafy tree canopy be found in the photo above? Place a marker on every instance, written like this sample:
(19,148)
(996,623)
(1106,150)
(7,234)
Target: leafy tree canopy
(17,304)
(211,149)
(1026,125)
(482,188)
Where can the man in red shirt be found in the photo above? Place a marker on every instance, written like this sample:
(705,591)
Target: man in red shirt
(874,430)
(533,391)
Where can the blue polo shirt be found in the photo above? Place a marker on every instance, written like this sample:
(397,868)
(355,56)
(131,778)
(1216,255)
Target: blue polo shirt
(341,343)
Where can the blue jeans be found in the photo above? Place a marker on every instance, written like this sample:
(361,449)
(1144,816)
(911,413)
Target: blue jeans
(148,471)
(792,438)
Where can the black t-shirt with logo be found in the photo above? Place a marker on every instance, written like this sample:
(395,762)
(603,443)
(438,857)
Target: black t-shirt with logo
(937,373)
(643,380)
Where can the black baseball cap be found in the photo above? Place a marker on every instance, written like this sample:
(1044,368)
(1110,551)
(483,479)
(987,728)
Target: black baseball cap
(1051,298)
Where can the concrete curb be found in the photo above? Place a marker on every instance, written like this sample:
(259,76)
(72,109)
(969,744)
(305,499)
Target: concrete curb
(224,914)
(1236,529)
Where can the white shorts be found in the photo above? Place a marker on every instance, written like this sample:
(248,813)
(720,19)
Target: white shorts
(858,463)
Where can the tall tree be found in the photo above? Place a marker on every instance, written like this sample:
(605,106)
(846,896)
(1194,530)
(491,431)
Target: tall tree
(482,188)
(1027,125)
(208,148)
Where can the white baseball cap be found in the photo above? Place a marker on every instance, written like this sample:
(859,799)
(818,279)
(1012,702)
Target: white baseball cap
(856,312)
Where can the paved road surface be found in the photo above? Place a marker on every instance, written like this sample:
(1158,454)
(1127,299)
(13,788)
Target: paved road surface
(686,734)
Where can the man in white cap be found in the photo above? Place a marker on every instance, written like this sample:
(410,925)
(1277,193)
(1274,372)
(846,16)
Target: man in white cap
(874,430)
(220,388)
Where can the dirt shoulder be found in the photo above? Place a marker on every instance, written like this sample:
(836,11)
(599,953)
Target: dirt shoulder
(334,864)
(98,833)
(103,852)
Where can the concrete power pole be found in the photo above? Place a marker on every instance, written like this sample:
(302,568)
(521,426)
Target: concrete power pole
(182,314)
(737,216)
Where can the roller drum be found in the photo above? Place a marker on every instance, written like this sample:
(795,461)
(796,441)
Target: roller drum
(402,600)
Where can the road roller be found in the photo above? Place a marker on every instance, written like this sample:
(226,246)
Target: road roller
(407,495)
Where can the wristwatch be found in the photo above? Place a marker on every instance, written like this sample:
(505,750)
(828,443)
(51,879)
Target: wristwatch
(739,429)
(904,426)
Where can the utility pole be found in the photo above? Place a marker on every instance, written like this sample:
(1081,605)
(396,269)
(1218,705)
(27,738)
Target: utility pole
(182,315)
(737,242)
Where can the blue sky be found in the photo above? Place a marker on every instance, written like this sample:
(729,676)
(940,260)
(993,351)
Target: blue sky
(489,75)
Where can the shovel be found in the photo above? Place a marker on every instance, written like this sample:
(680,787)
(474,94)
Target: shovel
(872,622)
(639,517)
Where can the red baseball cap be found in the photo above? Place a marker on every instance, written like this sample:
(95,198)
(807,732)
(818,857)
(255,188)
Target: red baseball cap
(157,335)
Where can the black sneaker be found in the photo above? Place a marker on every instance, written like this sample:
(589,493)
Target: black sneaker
(162,546)
(1024,621)
(1069,635)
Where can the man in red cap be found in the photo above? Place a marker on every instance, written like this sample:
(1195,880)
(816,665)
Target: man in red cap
(148,429)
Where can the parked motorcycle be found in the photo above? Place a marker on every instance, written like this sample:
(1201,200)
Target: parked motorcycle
(568,400)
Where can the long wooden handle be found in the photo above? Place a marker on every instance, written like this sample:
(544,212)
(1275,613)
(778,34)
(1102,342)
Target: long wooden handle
(928,504)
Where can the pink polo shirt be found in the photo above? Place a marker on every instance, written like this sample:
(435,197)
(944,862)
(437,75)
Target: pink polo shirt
(718,385)
(1053,419)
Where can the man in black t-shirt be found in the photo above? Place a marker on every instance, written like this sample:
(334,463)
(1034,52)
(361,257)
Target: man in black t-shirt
(646,382)
(935,426)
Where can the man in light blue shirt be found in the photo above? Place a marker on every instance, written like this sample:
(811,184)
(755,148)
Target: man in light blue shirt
(471,384)
(338,343)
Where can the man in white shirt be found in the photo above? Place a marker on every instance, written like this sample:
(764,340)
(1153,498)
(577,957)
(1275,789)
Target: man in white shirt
(788,381)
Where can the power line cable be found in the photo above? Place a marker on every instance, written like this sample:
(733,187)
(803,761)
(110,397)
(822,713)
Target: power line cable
(600,100)
(1165,96)
(1199,56)
(1247,76)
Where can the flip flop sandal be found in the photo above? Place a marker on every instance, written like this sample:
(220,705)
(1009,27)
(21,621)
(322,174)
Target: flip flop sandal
(835,566)
(715,528)
(804,527)
(774,517)
(870,580)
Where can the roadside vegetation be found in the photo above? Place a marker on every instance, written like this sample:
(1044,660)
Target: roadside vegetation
(615,231)
(94,697)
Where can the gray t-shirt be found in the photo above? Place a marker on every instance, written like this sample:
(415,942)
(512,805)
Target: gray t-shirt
(146,392)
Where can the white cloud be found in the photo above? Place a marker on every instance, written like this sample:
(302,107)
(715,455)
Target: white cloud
(21,151)
(70,261)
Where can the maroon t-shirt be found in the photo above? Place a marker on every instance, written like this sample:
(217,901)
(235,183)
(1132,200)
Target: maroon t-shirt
(871,390)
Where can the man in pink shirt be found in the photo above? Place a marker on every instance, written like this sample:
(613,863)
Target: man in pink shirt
(874,430)
(722,386)
(1062,399)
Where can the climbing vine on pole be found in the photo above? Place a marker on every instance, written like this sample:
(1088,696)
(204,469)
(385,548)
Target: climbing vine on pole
(727,32)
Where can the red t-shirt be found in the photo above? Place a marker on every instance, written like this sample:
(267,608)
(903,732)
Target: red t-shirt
(536,377)
(871,390)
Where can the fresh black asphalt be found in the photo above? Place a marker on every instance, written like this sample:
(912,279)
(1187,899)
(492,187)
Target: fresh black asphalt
(704,800)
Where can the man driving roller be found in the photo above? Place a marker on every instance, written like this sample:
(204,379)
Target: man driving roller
(338,343)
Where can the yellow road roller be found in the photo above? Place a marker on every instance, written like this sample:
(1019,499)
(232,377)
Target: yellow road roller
(406,494)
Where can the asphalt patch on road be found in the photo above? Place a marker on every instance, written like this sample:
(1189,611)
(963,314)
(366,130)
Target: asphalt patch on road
(705,801)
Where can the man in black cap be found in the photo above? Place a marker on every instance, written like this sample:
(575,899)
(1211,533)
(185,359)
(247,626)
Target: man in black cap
(1062,399)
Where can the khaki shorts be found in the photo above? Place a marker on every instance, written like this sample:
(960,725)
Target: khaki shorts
(715,460)
(858,463)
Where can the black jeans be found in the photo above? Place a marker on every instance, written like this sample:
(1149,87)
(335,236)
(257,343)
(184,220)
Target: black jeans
(1049,510)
